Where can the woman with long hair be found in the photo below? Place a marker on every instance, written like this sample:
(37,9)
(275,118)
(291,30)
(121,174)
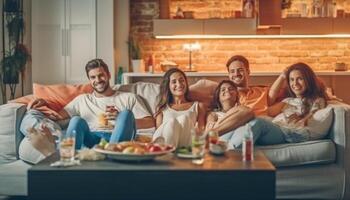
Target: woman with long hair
(294,116)
(176,114)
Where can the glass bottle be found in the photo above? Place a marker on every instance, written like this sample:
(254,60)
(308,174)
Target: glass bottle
(120,75)
(248,145)
(150,64)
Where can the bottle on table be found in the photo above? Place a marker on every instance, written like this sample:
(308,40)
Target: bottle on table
(248,145)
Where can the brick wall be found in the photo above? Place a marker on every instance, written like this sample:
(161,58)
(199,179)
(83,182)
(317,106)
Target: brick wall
(263,54)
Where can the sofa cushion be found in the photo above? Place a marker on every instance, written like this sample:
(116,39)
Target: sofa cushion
(203,91)
(320,123)
(13,179)
(8,113)
(303,153)
(147,91)
(59,95)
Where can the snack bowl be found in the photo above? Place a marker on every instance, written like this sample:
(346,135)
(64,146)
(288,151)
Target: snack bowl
(218,148)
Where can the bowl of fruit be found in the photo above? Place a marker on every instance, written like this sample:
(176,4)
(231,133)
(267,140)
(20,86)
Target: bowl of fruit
(132,150)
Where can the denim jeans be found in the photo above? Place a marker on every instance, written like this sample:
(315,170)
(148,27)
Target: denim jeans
(33,119)
(264,133)
(124,130)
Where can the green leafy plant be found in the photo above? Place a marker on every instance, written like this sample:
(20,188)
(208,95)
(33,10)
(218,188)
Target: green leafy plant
(15,54)
(134,49)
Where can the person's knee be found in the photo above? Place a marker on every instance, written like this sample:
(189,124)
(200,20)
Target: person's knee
(76,120)
(31,119)
(125,114)
(258,122)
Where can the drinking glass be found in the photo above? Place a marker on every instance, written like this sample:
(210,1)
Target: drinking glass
(67,146)
(198,147)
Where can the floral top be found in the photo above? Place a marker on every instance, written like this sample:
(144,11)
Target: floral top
(299,107)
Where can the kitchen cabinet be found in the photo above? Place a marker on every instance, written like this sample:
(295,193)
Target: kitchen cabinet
(305,26)
(204,26)
(246,26)
(341,25)
(63,40)
(178,27)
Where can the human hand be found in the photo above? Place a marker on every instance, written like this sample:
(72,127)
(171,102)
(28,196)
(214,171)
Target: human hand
(55,116)
(36,103)
(297,120)
(284,73)
(294,118)
(42,140)
(111,112)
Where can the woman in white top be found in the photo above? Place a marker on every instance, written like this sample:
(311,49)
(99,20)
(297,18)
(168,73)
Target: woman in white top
(176,114)
(291,122)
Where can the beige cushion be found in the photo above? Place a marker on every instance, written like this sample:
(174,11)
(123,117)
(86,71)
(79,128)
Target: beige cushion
(147,91)
(7,132)
(303,153)
(320,123)
(203,91)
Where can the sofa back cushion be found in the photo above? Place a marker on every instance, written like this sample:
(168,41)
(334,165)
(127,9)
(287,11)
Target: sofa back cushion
(10,115)
(59,95)
(203,91)
(147,91)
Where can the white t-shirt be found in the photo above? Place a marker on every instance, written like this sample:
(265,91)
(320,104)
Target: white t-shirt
(89,107)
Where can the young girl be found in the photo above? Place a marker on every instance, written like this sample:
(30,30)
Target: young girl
(292,115)
(226,106)
(226,110)
(176,114)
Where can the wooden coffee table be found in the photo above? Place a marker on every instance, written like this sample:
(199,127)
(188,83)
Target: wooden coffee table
(167,177)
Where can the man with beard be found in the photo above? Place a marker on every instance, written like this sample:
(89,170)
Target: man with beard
(251,98)
(257,98)
(118,111)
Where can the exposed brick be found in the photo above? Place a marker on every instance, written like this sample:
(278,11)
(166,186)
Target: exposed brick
(263,54)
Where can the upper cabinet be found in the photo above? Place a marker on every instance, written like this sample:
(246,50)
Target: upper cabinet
(269,21)
(204,26)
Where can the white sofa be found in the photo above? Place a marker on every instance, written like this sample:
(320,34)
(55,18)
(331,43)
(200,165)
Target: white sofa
(310,170)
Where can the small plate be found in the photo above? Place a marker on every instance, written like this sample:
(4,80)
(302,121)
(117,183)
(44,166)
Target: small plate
(132,156)
(186,155)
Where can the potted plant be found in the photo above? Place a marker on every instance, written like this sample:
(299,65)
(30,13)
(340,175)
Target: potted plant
(137,62)
(15,54)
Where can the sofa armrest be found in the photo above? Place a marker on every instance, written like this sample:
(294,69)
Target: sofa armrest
(340,134)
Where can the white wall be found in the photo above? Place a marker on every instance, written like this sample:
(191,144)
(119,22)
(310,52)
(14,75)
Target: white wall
(121,32)
(104,34)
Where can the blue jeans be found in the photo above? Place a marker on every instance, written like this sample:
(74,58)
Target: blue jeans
(124,130)
(34,118)
(264,133)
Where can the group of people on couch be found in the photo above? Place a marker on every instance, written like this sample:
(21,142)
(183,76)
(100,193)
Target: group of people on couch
(235,103)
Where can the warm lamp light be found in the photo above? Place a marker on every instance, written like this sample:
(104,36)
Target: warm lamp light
(191,47)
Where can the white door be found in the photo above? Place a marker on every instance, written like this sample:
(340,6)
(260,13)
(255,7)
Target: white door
(63,40)
(81,40)
(48,59)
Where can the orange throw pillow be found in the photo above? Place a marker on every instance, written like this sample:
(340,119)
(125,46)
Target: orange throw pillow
(57,96)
